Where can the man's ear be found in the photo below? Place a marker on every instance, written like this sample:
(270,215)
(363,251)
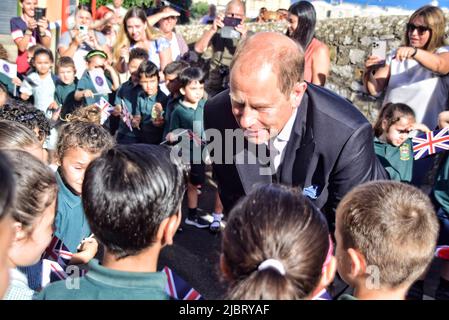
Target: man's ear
(168,228)
(297,93)
(358,263)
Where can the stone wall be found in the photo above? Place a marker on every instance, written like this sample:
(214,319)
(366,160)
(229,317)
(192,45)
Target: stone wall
(349,41)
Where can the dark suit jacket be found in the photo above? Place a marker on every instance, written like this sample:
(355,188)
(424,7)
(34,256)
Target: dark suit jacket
(330,151)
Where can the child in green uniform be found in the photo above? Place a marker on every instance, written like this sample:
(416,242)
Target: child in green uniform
(188,115)
(151,104)
(135,215)
(392,144)
(66,86)
(86,91)
(128,93)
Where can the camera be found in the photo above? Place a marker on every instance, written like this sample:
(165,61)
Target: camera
(39,13)
(231,22)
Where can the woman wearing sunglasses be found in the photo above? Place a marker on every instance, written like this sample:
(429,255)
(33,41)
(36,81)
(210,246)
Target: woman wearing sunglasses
(414,73)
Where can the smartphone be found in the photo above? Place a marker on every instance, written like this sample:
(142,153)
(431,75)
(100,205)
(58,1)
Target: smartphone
(379,49)
(39,13)
(231,22)
(84,30)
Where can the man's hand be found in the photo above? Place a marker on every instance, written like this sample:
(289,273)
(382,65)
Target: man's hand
(242,28)
(218,22)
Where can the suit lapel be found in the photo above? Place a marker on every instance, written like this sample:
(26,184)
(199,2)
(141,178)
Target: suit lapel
(300,148)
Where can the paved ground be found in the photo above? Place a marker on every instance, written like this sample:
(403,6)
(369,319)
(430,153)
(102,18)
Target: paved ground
(195,257)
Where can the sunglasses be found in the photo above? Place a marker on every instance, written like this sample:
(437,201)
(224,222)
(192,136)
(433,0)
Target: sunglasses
(421,29)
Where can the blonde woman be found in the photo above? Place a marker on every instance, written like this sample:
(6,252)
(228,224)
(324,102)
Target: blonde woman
(137,33)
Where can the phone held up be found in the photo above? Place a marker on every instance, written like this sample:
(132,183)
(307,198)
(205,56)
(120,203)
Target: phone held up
(228,31)
(84,30)
(39,13)
(379,49)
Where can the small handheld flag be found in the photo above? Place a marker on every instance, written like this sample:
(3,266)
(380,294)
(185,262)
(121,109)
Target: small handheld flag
(99,81)
(106,109)
(178,288)
(8,69)
(126,116)
(430,143)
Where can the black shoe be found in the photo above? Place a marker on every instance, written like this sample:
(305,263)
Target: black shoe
(416,291)
(197,221)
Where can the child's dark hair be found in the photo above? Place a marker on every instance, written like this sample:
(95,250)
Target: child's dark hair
(176,67)
(393,225)
(90,137)
(274,222)
(148,69)
(392,113)
(27,115)
(66,62)
(42,50)
(138,53)
(128,191)
(191,74)
(36,186)
(7,187)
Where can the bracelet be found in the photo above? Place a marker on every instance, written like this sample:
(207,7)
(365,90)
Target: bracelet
(414,53)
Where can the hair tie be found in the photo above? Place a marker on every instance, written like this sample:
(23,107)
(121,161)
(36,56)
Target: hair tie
(274,264)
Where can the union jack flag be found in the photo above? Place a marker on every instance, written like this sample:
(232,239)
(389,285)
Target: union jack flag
(442,252)
(126,116)
(178,289)
(106,109)
(430,143)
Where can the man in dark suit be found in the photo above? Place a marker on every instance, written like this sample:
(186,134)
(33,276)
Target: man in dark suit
(316,140)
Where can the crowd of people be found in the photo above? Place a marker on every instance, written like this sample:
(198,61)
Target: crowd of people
(96,158)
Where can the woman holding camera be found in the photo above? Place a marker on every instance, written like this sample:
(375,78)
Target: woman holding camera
(414,73)
(77,42)
(301,27)
(26,31)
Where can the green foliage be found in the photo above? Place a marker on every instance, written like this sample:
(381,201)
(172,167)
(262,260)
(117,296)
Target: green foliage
(199,9)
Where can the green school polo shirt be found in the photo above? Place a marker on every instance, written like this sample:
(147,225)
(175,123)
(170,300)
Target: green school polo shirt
(397,161)
(441,187)
(65,96)
(101,283)
(148,131)
(70,222)
(7,82)
(128,92)
(183,117)
(85,83)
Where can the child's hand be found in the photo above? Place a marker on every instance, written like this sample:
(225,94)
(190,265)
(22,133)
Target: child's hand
(55,115)
(87,250)
(16,81)
(135,122)
(53,106)
(158,122)
(88,93)
(117,111)
(421,127)
(170,137)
